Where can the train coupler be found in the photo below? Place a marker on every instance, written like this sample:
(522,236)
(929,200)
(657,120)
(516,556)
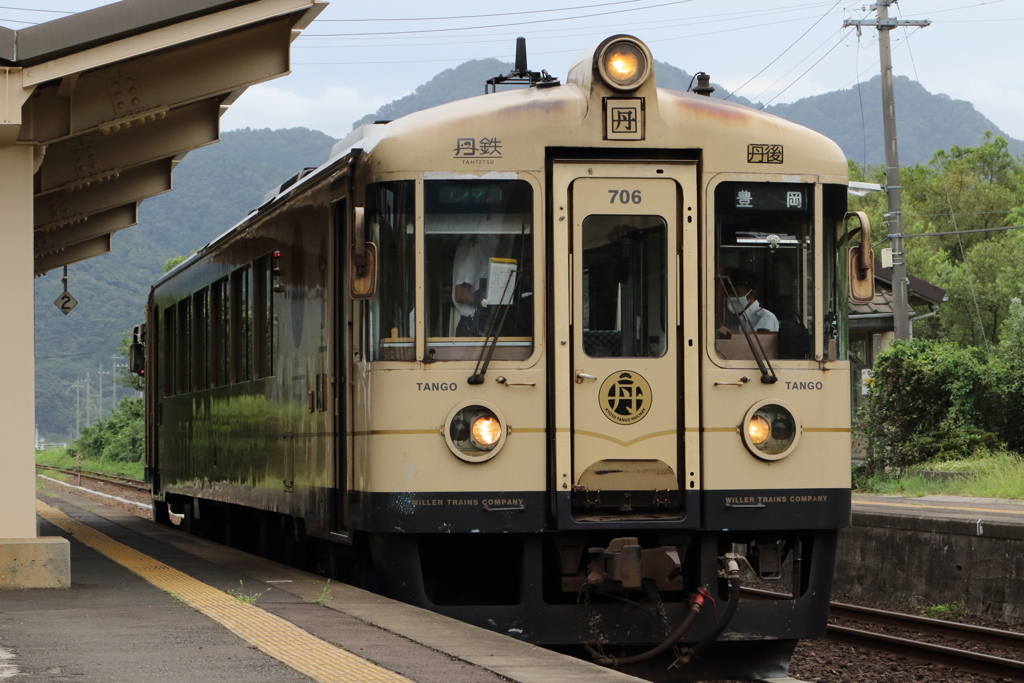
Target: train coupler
(625,563)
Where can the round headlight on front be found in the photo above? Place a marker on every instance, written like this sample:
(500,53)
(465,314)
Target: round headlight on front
(758,429)
(624,64)
(770,430)
(486,431)
(474,432)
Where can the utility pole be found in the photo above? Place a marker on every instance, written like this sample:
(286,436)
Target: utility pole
(894,216)
(78,409)
(88,413)
(99,402)
(113,382)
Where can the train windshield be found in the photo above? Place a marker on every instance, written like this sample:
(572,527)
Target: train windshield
(478,264)
(764,277)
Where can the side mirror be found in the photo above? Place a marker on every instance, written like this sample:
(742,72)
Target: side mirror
(362,261)
(862,260)
(137,359)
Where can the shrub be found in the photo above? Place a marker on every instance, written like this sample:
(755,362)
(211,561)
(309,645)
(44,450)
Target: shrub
(120,437)
(930,400)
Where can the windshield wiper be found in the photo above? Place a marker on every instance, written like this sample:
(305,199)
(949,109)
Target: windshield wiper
(496,323)
(760,357)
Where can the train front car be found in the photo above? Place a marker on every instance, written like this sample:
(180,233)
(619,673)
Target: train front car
(567,362)
(604,368)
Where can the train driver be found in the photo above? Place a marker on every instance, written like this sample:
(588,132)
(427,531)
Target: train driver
(469,281)
(745,303)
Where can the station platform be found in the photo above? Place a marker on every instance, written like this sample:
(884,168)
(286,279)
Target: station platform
(935,551)
(149,602)
(939,509)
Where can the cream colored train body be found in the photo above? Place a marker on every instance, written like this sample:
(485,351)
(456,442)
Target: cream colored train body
(594,342)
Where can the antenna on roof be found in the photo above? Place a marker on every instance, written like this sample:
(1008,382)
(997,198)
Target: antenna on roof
(521,69)
(521,74)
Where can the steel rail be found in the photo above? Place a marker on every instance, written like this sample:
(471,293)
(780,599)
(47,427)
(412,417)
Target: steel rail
(967,660)
(109,478)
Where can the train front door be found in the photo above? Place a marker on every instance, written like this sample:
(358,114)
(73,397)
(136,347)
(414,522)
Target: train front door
(626,368)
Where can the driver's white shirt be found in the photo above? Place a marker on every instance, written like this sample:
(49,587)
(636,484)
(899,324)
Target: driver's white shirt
(761,319)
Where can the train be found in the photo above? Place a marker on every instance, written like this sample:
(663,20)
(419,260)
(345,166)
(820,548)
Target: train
(566,361)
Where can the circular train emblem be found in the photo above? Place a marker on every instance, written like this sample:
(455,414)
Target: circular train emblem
(625,397)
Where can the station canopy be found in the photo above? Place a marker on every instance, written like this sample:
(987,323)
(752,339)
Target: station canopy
(111,99)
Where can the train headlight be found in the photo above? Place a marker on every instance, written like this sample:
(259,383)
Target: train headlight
(486,431)
(758,429)
(770,430)
(624,63)
(475,431)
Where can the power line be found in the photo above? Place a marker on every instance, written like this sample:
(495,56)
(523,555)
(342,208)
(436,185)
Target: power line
(797,80)
(517,23)
(26,9)
(908,235)
(791,46)
(576,50)
(592,30)
(478,16)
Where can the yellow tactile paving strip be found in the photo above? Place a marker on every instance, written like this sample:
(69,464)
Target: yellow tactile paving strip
(271,634)
(913,506)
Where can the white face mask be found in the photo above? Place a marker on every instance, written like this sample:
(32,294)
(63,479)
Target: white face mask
(737,304)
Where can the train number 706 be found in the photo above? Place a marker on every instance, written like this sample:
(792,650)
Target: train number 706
(625,196)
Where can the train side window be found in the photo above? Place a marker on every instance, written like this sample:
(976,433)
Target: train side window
(265,329)
(478,240)
(220,331)
(764,269)
(200,339)
(183,380)
(241,325)
(390,214)
(169,356)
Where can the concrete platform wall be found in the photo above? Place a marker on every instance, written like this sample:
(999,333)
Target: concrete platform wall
(921,562)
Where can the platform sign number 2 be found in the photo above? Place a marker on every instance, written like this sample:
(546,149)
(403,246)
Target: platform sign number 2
(65,302)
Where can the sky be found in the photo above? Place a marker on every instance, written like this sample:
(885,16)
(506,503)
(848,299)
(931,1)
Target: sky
(358,56)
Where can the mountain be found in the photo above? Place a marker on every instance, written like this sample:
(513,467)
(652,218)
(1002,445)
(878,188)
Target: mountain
(926,122)
(468,79)
(214,188)
(217,186)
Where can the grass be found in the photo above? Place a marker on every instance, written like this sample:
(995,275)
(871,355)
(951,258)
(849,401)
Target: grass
(325,595)
(988,474)
(951,610)
(240,594)
(58,457)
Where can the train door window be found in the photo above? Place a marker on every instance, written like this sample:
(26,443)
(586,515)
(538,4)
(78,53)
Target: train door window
(478,265)
(220,332)
(183,347)
(263,320)
(169,356)
(625,286)
(390,213)
(241,325)
(200,339)
(764,269)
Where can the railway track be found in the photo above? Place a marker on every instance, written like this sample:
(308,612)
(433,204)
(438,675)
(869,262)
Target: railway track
(956,657)
(99,476)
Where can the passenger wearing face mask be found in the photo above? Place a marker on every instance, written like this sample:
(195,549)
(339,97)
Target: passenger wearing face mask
(745,303)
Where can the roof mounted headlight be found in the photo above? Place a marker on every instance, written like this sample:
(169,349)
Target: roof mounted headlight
(624,62)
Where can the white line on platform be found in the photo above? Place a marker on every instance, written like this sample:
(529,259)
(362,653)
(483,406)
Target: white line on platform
(95,493)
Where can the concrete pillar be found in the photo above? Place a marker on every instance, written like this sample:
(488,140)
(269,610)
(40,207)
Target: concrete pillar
(25,560)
